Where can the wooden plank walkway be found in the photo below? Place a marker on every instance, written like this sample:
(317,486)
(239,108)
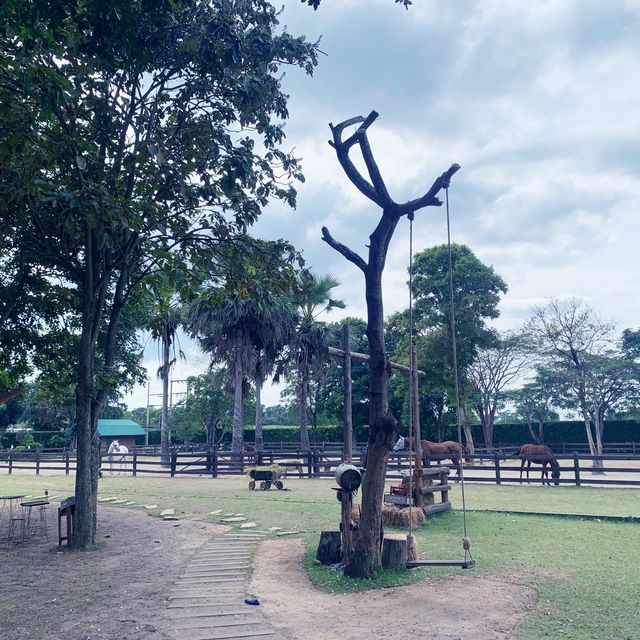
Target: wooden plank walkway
(207,600)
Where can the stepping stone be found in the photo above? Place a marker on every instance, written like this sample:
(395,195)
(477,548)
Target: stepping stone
(288,533)
(130,503)
(224,634)
(229,514)
(248,525)
(150,506)
(120,501)
(215,513)
(170,518)
(275,528)
(233,519)
(167,512)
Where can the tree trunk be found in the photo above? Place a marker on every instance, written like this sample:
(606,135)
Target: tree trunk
(258,437)
(165,436)
(382,428)
(541,431)
(88,440)
(304,402)
(598,465)
(238,400)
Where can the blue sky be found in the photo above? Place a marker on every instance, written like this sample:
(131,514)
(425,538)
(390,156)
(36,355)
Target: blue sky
(538,101)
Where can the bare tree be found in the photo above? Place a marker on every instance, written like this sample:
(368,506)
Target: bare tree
(382,425)
(491,371)
(571,334)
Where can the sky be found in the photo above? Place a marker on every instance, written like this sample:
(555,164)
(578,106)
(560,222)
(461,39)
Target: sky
(539,102)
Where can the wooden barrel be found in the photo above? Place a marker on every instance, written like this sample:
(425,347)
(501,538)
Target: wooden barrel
(348,477)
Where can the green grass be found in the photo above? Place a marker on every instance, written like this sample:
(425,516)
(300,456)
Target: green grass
(585,571)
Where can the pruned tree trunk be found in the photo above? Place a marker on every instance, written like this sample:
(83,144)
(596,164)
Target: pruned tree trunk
(382,425)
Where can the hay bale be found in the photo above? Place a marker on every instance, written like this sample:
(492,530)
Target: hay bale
(394,516)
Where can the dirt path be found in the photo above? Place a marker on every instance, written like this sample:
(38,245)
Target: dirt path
(457,608)
(119,591)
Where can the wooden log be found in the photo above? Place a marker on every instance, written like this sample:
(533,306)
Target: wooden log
(394,552)
(329,547)
(430,472)
(363,357)
(436,487)
(435,508)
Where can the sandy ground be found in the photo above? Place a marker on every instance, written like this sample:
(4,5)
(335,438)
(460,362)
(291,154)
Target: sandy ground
(117,592)
(120,591)
(454,608)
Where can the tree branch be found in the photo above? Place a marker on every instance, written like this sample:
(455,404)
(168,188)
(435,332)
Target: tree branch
(429,198)
(342,151)
(344,250)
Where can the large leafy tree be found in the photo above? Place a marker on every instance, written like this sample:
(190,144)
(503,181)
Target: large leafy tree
(135,136)
(242,317)
(476,294)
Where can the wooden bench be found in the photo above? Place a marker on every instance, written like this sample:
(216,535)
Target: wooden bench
(66,509)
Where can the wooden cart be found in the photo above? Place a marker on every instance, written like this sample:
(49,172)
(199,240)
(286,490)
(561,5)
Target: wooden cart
(266,476)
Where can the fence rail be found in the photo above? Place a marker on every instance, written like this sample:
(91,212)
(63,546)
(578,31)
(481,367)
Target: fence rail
(500,466)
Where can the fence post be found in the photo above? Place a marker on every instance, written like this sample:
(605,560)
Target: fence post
(37,462)
(576,467)
(496,462)
(309,471)
(174,463)
(214,464)
(270,456)
(10,461)
(134,469)
(66,462)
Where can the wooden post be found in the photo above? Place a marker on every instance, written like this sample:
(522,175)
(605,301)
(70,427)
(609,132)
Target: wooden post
(347,416)
(10,461)
(66,462)
(415,414)
(134,464)
(345,525)
(174,463)
(496,462)
(214,464)
(37,462)
(576,467)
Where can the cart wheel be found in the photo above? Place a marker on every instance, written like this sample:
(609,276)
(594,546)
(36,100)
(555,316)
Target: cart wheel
(268,484)
(252,485)
(263,486)
(279,485)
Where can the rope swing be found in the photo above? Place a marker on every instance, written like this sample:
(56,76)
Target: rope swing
(468,561)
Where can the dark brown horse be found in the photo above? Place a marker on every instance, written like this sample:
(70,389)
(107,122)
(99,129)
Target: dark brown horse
(539,454)
(436,451)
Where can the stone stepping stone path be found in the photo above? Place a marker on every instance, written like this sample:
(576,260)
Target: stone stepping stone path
(207,600)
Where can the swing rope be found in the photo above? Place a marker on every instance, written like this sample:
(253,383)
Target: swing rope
(466,542)
(412,364)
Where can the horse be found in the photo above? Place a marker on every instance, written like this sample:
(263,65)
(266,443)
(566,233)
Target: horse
(437,451)
(539,454)
(117,452)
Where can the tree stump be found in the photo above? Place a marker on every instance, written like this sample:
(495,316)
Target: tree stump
(394,552)
(329,548)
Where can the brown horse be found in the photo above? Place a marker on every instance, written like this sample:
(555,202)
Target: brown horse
(436,451)
(539,454)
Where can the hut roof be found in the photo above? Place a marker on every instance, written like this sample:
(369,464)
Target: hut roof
(111,428)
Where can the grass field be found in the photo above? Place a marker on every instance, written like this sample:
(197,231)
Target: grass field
(584,570)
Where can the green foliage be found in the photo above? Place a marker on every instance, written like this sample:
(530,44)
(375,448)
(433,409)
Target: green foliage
(556,432)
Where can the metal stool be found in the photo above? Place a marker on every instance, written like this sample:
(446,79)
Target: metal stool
(36,526)
(16,530)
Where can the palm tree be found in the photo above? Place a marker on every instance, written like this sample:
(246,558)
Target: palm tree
(164,327)
(310,342)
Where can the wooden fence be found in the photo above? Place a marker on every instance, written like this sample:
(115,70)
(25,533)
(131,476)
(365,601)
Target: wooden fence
(497,467)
